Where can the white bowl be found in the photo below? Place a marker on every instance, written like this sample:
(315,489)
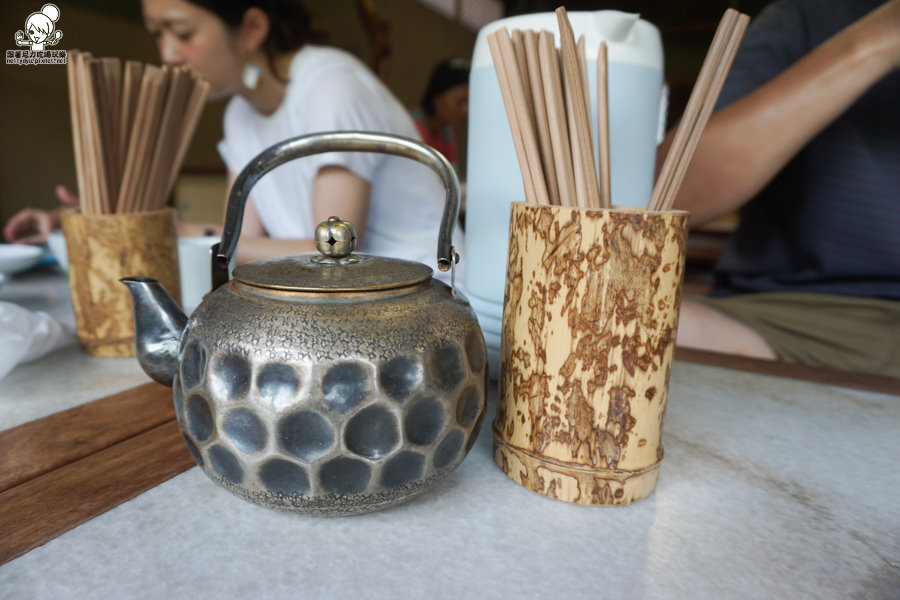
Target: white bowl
(15,258)
(57,243)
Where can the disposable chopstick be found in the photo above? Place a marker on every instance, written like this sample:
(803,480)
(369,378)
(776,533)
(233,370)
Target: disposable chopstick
(193,110)
(541,119)
(556,117)
(706,110)
(586,188)
(524,138)
(75,114)
(692,110)
(603,155)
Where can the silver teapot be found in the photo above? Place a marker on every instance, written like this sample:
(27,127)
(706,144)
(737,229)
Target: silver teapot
(329,384)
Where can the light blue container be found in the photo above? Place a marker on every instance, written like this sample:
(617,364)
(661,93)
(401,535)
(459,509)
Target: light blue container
(637,116)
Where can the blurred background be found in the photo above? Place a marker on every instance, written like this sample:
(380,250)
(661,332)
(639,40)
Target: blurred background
(400,39)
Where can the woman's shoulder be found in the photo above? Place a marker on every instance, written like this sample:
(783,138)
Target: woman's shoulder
(238,112)
(326,78)
(312,61)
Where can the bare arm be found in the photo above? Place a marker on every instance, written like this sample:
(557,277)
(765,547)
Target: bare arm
(31,225)
(748,142)
(336,191)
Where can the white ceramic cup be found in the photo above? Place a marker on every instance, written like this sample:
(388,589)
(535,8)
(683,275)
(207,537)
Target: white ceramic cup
(194,262)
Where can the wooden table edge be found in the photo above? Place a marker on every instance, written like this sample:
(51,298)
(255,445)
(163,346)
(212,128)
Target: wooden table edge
(42,509)
(848,379)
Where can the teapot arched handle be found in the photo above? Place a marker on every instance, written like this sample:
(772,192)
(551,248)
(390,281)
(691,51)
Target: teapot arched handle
(340,141)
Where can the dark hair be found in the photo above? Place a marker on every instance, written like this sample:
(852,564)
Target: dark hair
(288,22)
(447,74)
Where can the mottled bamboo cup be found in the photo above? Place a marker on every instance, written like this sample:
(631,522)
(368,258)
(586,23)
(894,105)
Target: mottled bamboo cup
(102,249)
(589,321)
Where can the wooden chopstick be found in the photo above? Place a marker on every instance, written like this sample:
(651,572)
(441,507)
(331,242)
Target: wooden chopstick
(75,114)
(666,187)
(106,113)
(556,118)
(706,110)
(586,188)
(164,140)
(603,155)
(511,87)
(130,129)
(131,88)
(580,48)
(150,136)
(518,43)
(127,201)
(99,193)
(193,110)
(541,119)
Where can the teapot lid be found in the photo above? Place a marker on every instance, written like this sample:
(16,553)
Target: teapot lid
(336,269)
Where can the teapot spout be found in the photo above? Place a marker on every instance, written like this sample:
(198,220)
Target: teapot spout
(158,325)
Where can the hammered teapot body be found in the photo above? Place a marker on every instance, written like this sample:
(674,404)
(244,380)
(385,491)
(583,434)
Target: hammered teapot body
(322,384)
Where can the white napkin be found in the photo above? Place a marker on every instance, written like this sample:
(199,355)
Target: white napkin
(26,335)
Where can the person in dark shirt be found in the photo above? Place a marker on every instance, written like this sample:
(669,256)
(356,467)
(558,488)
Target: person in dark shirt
(806,145)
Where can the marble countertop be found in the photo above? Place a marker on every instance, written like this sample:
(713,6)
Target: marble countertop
(770,488)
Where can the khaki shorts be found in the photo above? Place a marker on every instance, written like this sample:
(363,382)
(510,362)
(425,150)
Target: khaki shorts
(823,330)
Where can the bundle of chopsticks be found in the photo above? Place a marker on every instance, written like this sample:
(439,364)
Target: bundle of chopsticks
(547,102)
(131,129)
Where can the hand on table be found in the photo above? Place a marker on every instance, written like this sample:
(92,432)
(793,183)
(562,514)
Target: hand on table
(31,225)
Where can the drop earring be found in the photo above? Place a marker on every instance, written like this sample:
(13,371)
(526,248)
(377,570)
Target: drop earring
(252,72)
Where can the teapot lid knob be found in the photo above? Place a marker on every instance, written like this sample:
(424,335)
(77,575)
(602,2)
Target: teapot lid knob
(335,238)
